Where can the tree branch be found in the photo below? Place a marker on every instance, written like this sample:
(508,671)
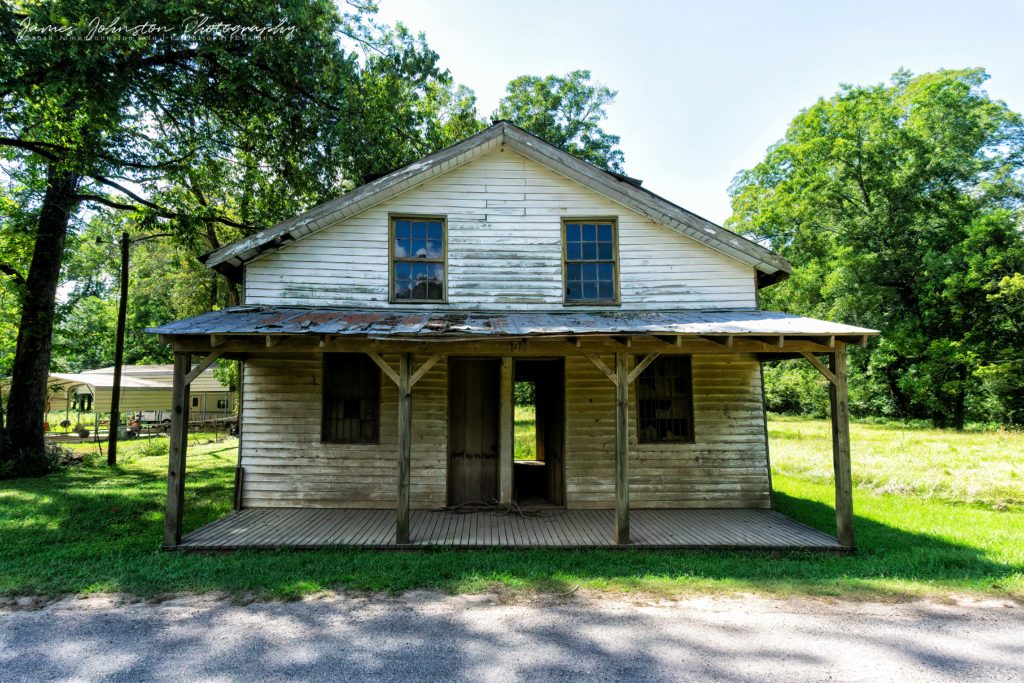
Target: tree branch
(156,208)
(10,271)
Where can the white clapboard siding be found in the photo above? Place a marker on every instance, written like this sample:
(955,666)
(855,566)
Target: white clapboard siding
(286,465)
(727,466)
(504,248)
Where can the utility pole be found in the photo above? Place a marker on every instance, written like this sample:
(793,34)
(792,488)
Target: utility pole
(122,312)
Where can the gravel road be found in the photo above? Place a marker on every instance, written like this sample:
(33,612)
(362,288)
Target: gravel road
(431,637)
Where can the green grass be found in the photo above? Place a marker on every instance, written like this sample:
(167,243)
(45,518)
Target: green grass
(525,436)
(93,528)
(983,468)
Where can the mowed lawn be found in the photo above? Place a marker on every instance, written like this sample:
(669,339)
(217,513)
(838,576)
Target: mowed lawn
(936,512)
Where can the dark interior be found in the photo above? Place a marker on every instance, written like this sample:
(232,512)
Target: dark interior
(542,482)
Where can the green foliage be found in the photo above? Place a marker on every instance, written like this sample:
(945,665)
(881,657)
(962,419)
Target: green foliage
(900,208)
(202,138)
(566,111)
(525,393)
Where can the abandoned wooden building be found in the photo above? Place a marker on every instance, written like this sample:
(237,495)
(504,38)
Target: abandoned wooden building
(382,334)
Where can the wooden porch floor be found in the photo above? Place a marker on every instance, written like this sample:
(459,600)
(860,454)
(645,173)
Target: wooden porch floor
(555,528)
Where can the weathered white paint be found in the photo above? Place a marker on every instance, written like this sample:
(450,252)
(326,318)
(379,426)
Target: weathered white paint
(286,465)
(726,466)
(504,248)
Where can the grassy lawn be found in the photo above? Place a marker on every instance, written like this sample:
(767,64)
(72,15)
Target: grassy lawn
(920,527)
(525,437)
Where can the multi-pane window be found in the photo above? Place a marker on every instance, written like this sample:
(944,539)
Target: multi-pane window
(589,261)
(664,393)
(351,412)
(417,259)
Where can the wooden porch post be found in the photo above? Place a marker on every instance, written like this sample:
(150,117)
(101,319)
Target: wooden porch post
(621,449)
(506,425)
(404,446)
(179,445)
(840,406)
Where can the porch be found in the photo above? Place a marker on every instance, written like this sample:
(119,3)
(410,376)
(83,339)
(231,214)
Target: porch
(707,488)
(265,528)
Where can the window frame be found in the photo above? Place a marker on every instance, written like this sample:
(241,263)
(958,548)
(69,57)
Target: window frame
(392,259)
(616,299)
(323,402)
(690,438)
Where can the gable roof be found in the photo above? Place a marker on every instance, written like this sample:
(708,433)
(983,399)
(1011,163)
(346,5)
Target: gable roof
(616,187)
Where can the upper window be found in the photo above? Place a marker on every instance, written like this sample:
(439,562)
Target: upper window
(590,261)
(664,393)
(417,259)
(351,410)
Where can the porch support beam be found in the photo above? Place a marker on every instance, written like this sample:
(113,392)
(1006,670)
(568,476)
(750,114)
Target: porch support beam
(622,448)
(404,447)
(179,445)
(424,367)
(505,431)
(642,365)
(384,367)
(198,370)
(599,364)
(675,340)
(826,373)
(841,447)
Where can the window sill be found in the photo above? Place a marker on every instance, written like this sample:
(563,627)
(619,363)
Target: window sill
(593,302)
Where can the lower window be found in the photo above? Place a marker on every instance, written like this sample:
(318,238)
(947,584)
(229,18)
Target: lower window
(351,411)
(664,393)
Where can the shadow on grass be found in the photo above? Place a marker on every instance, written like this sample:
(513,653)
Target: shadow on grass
(99,529)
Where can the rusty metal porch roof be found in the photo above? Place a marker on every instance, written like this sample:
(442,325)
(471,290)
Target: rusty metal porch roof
(433,324)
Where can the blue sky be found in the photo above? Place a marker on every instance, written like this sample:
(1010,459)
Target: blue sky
(705,87)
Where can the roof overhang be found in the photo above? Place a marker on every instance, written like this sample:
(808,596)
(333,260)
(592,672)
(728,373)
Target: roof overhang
(231,258)
(421,325)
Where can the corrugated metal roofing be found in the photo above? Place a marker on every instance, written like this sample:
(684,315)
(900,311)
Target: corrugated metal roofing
(376,323)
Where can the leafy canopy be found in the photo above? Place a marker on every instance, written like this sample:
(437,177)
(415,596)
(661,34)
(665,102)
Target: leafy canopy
(567,112)
(900,206)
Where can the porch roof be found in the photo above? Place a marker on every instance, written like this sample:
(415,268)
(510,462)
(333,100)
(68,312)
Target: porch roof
(420,324)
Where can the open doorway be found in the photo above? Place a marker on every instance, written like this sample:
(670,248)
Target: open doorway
(539,477)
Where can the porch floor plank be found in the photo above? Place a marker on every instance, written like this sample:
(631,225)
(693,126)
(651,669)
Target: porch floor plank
(559,528)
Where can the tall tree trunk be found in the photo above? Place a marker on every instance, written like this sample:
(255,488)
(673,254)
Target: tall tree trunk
(26,405)
(234,292)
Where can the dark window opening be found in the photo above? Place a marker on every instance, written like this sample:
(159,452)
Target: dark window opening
(664,394)
(351,412)
(590,262)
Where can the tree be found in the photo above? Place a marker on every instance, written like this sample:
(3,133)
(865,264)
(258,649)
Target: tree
(566,111)
(209,133)
(900,206)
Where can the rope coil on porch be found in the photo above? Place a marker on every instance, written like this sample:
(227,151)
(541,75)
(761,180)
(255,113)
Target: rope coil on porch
(497,508)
